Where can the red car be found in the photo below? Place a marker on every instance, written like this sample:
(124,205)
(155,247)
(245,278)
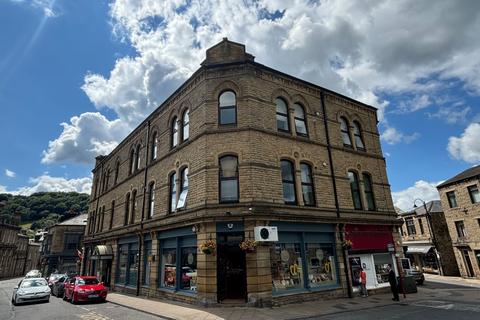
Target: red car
(84,288)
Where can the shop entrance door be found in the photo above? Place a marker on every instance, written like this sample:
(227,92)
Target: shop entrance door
(468,262)
(231,275)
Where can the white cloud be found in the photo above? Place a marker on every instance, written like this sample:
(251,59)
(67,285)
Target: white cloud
(45,183)
(363,50)
(85,137)
(423,190)
(10,173)
(392,136)
(467,146)
(452,115)
(49,8)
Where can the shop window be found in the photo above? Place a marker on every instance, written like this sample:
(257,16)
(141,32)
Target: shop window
(381,261)
(185,125)
(355,190)
(357,134)
(154,146)
(287,271)
(169,268)
(122,263)
(474,194)
(151,199)
(452,200)
(174,133)
(282,115)
(288,182)
(321,265)
(410,226)
(368,190)
(228,179)
(132,267)
(147,262)
(300,122)
(173,192)
(227,108)
(189,269)
(183,189)
(307,185)
(345,131)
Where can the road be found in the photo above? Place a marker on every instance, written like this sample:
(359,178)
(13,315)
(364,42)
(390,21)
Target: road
(436,301)
(443,301)
(59,309)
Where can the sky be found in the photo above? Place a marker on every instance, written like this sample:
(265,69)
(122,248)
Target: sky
(77,76)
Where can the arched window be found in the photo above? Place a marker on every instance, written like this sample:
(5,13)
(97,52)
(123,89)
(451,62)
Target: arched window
(134,206)
(282,115)
(300,122)
(357,133)
(345,130)
(127,209)
(186,125)
(228,177)
(137,158)
(174,129)
(368,189)
(151,199)
(112,215)
(227,108)
(182,199)
(107,179)
(355,189)
(132,161)
(154,146)
(308,192)
(117,171)
(173,192)
(288,182)
(102,218)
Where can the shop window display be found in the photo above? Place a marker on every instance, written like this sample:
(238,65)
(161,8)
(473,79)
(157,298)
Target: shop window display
(381,261)
(287,270)
(189,269)
(122,263)
(321,265)
(132,266)
(169,261)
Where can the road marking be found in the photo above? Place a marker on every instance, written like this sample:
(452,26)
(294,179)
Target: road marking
(447,305)
(93,316)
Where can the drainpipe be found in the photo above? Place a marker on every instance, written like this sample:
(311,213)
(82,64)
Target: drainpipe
(341,226)
(140,236)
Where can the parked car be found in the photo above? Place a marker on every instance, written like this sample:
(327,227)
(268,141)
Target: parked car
(30,290)
(57,288)
(54,278)
(84,288)
(413,272)
(33,274)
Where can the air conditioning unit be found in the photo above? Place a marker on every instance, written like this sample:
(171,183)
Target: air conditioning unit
(266,233)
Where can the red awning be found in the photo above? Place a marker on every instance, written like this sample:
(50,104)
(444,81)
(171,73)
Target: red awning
(369,237)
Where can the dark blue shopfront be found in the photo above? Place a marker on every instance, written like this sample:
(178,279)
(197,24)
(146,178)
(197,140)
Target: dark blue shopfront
(127,266)
(304,258)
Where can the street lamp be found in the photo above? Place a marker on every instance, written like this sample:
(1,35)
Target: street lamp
(432,234)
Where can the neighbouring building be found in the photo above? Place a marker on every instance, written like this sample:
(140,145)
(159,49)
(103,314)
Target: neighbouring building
(421,231)
(460,198)
(62,244)
(240,145)
(17,254)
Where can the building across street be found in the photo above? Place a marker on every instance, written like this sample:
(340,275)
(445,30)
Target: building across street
(247,185)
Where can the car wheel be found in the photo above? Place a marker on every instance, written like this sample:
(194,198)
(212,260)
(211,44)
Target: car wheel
(73,300)
(64,296)
(14,301)
(420,282)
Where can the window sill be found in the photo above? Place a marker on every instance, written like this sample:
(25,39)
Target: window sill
(186,293)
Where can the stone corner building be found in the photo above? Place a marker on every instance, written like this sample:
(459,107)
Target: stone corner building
(241,145)
(460,198)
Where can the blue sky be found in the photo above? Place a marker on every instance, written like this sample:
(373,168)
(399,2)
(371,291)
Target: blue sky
(77,76)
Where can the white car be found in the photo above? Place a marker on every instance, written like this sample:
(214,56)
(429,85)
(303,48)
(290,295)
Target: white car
(30,290)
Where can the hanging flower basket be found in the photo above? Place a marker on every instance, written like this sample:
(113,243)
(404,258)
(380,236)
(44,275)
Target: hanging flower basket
(347,244)
(248,245)
(208,247)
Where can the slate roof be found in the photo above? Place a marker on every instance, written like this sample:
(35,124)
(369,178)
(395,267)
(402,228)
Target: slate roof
(79,220)
(434,206)
(467,174)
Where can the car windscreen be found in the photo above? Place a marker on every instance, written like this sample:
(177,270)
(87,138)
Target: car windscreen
(87,281)
(33,283)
